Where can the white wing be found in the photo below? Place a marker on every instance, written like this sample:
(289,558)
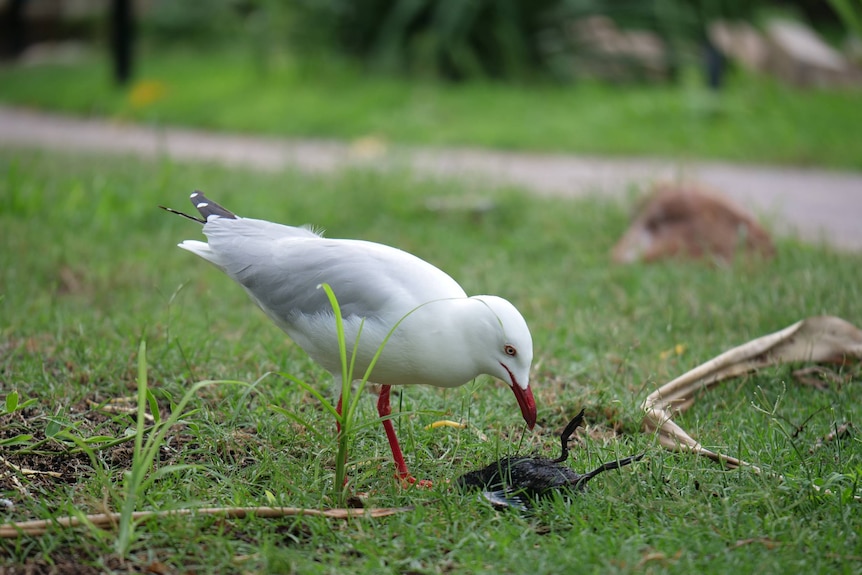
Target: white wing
(282,268)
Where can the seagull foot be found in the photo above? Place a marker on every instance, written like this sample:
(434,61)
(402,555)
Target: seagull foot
(408,480)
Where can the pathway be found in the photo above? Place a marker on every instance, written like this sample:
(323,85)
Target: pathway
(815,204)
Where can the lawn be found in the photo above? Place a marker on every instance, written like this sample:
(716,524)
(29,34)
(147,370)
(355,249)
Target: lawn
(89,269)
(752,120)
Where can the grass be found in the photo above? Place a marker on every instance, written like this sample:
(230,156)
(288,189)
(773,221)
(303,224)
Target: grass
(752,120)
(89,269)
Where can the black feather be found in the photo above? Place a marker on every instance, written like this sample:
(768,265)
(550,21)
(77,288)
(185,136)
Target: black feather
(514,481)
(208,207)
(205,206)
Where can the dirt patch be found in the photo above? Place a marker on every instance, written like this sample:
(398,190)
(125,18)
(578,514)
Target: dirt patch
(43,454)
(69,563)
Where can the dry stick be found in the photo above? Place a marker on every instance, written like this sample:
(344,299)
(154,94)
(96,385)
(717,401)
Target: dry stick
(40,527)
(25,471)
(817,339)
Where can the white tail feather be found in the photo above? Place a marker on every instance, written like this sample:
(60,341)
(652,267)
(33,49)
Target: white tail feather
(201,249)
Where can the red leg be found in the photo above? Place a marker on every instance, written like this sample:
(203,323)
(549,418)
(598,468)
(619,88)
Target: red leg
(384,409)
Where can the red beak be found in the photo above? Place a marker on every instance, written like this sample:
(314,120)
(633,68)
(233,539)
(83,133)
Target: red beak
(526,403)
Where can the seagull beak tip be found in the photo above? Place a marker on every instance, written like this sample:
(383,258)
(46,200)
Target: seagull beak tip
(526,403)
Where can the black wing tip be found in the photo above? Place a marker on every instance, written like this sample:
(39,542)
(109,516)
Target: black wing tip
(208,208)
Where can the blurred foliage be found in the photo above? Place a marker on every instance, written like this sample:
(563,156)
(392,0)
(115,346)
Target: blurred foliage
(679,26)
(453,40)
(191,21)
(850,12)
(457,40)
(510,39)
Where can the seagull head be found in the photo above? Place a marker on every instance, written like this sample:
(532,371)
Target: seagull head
(512,353)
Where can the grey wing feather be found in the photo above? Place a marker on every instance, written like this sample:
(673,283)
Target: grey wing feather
(506,498)
(247,228)
(282,268)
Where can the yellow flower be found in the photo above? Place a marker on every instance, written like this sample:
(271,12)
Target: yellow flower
(678,349)
(146,92)
(446,423)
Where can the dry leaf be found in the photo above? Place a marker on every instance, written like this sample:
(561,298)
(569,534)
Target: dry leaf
(816,339)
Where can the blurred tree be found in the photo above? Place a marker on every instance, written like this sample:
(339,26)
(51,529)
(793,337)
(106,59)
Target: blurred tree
(122,39)
(13,29)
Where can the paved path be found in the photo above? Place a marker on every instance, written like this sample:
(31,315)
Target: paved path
(815,204)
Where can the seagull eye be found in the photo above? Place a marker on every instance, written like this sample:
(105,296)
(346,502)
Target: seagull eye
(510,350)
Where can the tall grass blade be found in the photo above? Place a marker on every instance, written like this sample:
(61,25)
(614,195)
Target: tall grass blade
(136,481)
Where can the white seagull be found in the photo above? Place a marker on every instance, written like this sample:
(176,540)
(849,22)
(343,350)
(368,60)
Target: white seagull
(444,339)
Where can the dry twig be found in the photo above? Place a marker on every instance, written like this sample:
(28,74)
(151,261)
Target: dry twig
(106,520)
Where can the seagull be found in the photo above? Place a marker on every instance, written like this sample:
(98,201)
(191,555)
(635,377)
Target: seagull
(440,336)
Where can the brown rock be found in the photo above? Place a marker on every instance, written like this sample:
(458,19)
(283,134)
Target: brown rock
(741,42)
(787,50)
(800,57)
(684,220)
(601,49)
